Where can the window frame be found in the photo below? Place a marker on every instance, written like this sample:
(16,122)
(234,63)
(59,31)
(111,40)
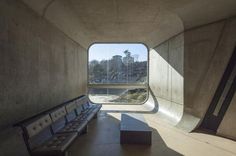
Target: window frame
(119,85)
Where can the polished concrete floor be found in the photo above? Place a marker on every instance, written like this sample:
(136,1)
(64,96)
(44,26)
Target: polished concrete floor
(103,136)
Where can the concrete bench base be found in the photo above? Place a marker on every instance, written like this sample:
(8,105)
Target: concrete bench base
(134,130)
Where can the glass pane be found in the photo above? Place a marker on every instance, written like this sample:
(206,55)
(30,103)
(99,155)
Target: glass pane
(121,96)
(118,63)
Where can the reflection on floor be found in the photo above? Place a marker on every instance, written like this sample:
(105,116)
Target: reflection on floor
(103,137)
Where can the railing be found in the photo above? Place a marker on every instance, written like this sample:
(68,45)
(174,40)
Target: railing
(119,94)
(118,86)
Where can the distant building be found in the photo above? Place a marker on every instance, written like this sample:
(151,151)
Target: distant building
(128,59)
(116,62)
(115,67)
(117,59)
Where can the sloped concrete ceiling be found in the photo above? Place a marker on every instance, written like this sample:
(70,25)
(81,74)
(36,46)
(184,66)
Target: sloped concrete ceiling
(148,21)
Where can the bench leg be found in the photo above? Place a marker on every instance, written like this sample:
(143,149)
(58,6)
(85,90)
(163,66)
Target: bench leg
(85,130)
(65,153)
(95,116)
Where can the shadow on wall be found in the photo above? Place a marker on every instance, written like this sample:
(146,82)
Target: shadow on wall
(103,139)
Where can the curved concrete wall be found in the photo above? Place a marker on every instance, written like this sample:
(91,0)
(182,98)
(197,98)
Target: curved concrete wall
(89,21)
(184,88)
(86,22)
(40,68)
(151,22)
(43,66)
(207,52)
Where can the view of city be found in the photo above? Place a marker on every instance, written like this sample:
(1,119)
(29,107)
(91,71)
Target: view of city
(122,67)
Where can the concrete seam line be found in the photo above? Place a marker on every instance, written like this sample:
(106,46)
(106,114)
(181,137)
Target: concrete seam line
(46,7)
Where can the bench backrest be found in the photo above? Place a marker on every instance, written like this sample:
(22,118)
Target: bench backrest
(79,103)
(84,102)
(58,119)
(41,127)
(38,130)
(70,109)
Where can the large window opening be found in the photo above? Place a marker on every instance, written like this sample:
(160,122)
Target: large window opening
(118,73)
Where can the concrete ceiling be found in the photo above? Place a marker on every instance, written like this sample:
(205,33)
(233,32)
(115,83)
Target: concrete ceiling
(147,21)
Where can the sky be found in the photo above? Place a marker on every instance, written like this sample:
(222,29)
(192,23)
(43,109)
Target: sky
(102,51)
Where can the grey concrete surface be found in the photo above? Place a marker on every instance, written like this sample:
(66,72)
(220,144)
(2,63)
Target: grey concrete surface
(185,86)
(207,52)
(151,22)
(200,46)
(166,76)
(40,68)
(227,126)
(88,21)
(103,136)
(43,63)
